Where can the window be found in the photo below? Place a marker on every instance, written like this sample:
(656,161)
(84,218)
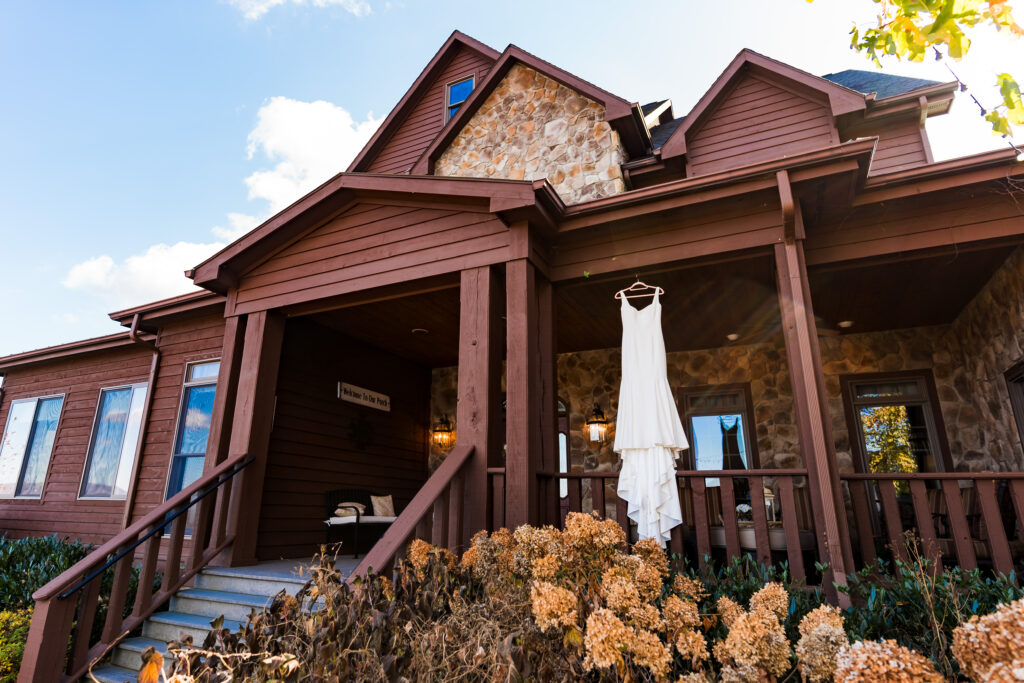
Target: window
(894,424)
(455,94)
(115,439)
(27,445)
(1015,384)
(718,423)
(193,424)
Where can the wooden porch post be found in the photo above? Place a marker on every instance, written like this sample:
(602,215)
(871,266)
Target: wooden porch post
(808,402)
(477,418)
(526,375)
(251,425)
(548,400)
(227,387)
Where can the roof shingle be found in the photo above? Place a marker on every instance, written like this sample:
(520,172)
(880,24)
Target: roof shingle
(884,85)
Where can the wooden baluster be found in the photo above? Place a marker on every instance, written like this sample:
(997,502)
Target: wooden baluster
(891,512)
(1017,493)
(220,515)
(575,495)
(675,542)
(144,594)
(791,526)
(88,601)
(118,595)
(959,529)
(761,539)
(456,497)
(622,516)
(729,521)
(862,517)
(172,568)
(498,502)
(200,531)
(700,521)
(440,531)
(925,524)
(597,496)
(998,545)
(423,528)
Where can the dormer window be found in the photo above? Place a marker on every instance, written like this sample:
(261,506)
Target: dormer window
(456,94)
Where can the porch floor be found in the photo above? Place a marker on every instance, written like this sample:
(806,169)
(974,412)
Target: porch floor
(296,568)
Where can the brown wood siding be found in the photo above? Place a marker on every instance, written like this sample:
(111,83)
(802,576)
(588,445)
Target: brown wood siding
(426,119)
(179,343)
(758,120)
(372,245)
(312,449)
(746,222)
(80,380)
(901,145)
(936,219)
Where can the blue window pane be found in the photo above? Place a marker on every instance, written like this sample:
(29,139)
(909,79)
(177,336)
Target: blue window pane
(718,443)
(195,421)
(203,371)
(37,456)
(185,471)
(458,92)
(106,446)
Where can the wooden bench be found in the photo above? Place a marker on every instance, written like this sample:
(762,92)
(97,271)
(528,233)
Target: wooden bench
(336,498)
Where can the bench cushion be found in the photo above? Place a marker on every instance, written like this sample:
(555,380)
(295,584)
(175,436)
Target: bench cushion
(366,519)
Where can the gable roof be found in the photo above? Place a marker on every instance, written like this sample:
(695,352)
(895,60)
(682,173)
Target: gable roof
(394,119)
(623,116)
(881,84)
(841,100)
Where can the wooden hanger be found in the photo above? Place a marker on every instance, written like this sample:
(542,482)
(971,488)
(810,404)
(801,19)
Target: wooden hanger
(638,287)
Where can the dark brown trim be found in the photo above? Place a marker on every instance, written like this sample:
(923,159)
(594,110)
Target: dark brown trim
(161,310)
(414,93)
(853,424)
(749,437)
(76,348)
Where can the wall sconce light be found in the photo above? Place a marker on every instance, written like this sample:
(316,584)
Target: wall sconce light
(443,433)
(596,428)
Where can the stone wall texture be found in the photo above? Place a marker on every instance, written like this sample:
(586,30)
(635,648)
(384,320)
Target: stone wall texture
(533,127)
(967,360)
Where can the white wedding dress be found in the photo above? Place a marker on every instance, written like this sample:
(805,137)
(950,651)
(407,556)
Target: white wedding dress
(648,433)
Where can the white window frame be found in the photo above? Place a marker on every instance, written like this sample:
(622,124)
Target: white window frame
(49,456)
(120,460)
(185,384)
(447,91)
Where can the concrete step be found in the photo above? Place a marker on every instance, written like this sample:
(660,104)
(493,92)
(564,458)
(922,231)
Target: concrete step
(247,580)
(168,626)
(128,653)
(213,603)
(108,673)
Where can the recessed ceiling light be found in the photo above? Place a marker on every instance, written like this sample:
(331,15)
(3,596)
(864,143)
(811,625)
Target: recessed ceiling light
(420,330)
(732,337)
(845,324)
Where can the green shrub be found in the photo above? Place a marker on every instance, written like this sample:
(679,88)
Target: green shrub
(13,634)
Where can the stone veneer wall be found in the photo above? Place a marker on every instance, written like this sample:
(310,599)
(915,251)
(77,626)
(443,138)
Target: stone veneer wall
(532,127)
(966,358)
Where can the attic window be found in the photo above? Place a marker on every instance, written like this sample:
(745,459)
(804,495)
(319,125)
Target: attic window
(457,93)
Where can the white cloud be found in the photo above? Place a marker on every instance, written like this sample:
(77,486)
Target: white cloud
(310,141)
(254,9)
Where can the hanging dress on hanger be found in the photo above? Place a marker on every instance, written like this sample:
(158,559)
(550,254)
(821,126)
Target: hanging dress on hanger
(648,433)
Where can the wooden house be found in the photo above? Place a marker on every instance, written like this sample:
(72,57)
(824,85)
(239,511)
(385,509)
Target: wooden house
(825,279)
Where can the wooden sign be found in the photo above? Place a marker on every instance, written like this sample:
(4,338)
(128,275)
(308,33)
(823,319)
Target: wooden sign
(364,397)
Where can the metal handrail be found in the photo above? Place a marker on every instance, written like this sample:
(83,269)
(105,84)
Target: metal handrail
(193,500)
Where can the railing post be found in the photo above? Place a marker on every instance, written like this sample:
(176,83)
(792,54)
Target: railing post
(47,641)
(477,418)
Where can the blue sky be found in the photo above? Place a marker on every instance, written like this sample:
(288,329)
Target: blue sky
(141,136)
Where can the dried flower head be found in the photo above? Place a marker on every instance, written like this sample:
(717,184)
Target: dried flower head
(588,534)
(651,552)
(605,639)
(756,640)
(553,606)
(687,587)
(692,678)
(649,652)
(1005,672)
(728,610)
(419,554)
(773,598)
(648,580)
(620,593)
(821,638)
(545,567)
(692,646)
(680,614)
(883,661)
(985,641)
(646,617)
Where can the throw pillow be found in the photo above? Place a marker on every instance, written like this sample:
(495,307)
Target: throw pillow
(383,506)
(345,509)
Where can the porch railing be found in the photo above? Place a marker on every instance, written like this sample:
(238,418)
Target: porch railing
(60,646)
(435,514)
(967,518)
